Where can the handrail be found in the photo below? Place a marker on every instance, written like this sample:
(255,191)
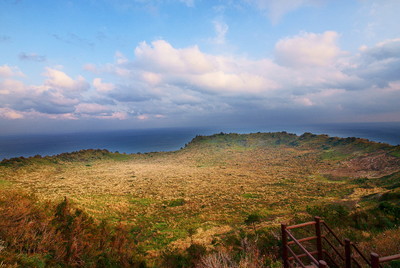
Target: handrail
(389,258)
(295,256)
(332,233)
(329,256)
(323,235)
(341,243)
(302,248)
(303,255)
(303,239)
(300,225)
(376,260)
(334,248)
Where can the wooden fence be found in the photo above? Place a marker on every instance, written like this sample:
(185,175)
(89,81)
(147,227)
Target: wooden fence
(324,249)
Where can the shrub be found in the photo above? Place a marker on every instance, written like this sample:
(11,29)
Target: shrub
(37,235)
(333,213)
(218,259)
(174,259)
(176,202)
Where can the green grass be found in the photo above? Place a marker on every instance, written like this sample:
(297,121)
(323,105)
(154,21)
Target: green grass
(333,155)
(176,202)
(144,202)
(396,152)
(251,195)
(4,183)
(218,181)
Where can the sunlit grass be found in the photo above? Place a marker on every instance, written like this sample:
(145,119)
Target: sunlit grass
(210,186)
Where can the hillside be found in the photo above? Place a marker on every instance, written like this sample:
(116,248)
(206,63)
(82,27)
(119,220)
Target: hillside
(205,193)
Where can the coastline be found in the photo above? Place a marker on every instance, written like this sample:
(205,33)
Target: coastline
(172,139)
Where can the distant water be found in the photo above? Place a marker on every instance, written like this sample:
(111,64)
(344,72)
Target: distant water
(152,140)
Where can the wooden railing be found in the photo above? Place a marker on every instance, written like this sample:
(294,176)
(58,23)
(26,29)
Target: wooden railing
(314,256)
(376,260)
(324,248)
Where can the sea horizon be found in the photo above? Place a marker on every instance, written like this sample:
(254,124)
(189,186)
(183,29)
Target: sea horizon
(172,139)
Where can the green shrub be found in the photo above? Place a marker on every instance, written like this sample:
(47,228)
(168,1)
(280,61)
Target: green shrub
(176,202)
(333,213)
(174,259)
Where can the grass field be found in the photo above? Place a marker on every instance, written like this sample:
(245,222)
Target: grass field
(203,192)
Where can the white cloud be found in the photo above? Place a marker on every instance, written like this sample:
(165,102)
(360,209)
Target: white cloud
(151,78)
(162,57)
(90,67)
(221,29)
(11,87)
(7,113)
(120,58)
(102,87)
(57,95)
(60,80)
(118,115)
(95,110)
(7,71)
(164,83)
(308,49)
(232,83)
(91,108)
(192,82)
(379,65)
(143,117)
(195,70)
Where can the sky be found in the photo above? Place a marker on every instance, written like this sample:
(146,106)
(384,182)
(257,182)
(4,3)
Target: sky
(82,65)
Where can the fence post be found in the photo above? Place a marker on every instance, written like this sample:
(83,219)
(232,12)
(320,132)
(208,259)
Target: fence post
(374,260)
(285,256)
(347,252)
(322,264)
(319,237)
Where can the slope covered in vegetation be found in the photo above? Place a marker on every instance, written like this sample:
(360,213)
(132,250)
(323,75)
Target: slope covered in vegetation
(218,199)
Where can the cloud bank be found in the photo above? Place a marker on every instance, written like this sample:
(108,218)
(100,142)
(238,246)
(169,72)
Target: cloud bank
(308,77)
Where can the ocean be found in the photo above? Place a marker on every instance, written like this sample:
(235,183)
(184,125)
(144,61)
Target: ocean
(171,139)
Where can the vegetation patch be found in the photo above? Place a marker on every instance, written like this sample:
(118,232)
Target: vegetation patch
(333,155)
(145,202)
(251,195)
(176,202)
(4,183)
(162,210)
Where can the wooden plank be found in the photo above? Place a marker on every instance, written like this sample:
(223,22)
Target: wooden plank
(296,257)
(360,254)
(302,248)
(300,225)
(303,240)
(285,246)
(332,233)
(389,258)
(374,260)
(303,255)
(319,237)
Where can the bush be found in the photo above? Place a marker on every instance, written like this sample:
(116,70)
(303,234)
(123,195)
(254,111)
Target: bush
(176,202)
(334,214)
(34,235)
(174,259)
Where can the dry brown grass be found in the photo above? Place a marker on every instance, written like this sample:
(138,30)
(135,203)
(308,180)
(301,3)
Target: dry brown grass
(216,186)
(214,183)
(385,244)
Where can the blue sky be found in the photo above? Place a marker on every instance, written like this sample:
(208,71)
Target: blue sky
(125,64)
